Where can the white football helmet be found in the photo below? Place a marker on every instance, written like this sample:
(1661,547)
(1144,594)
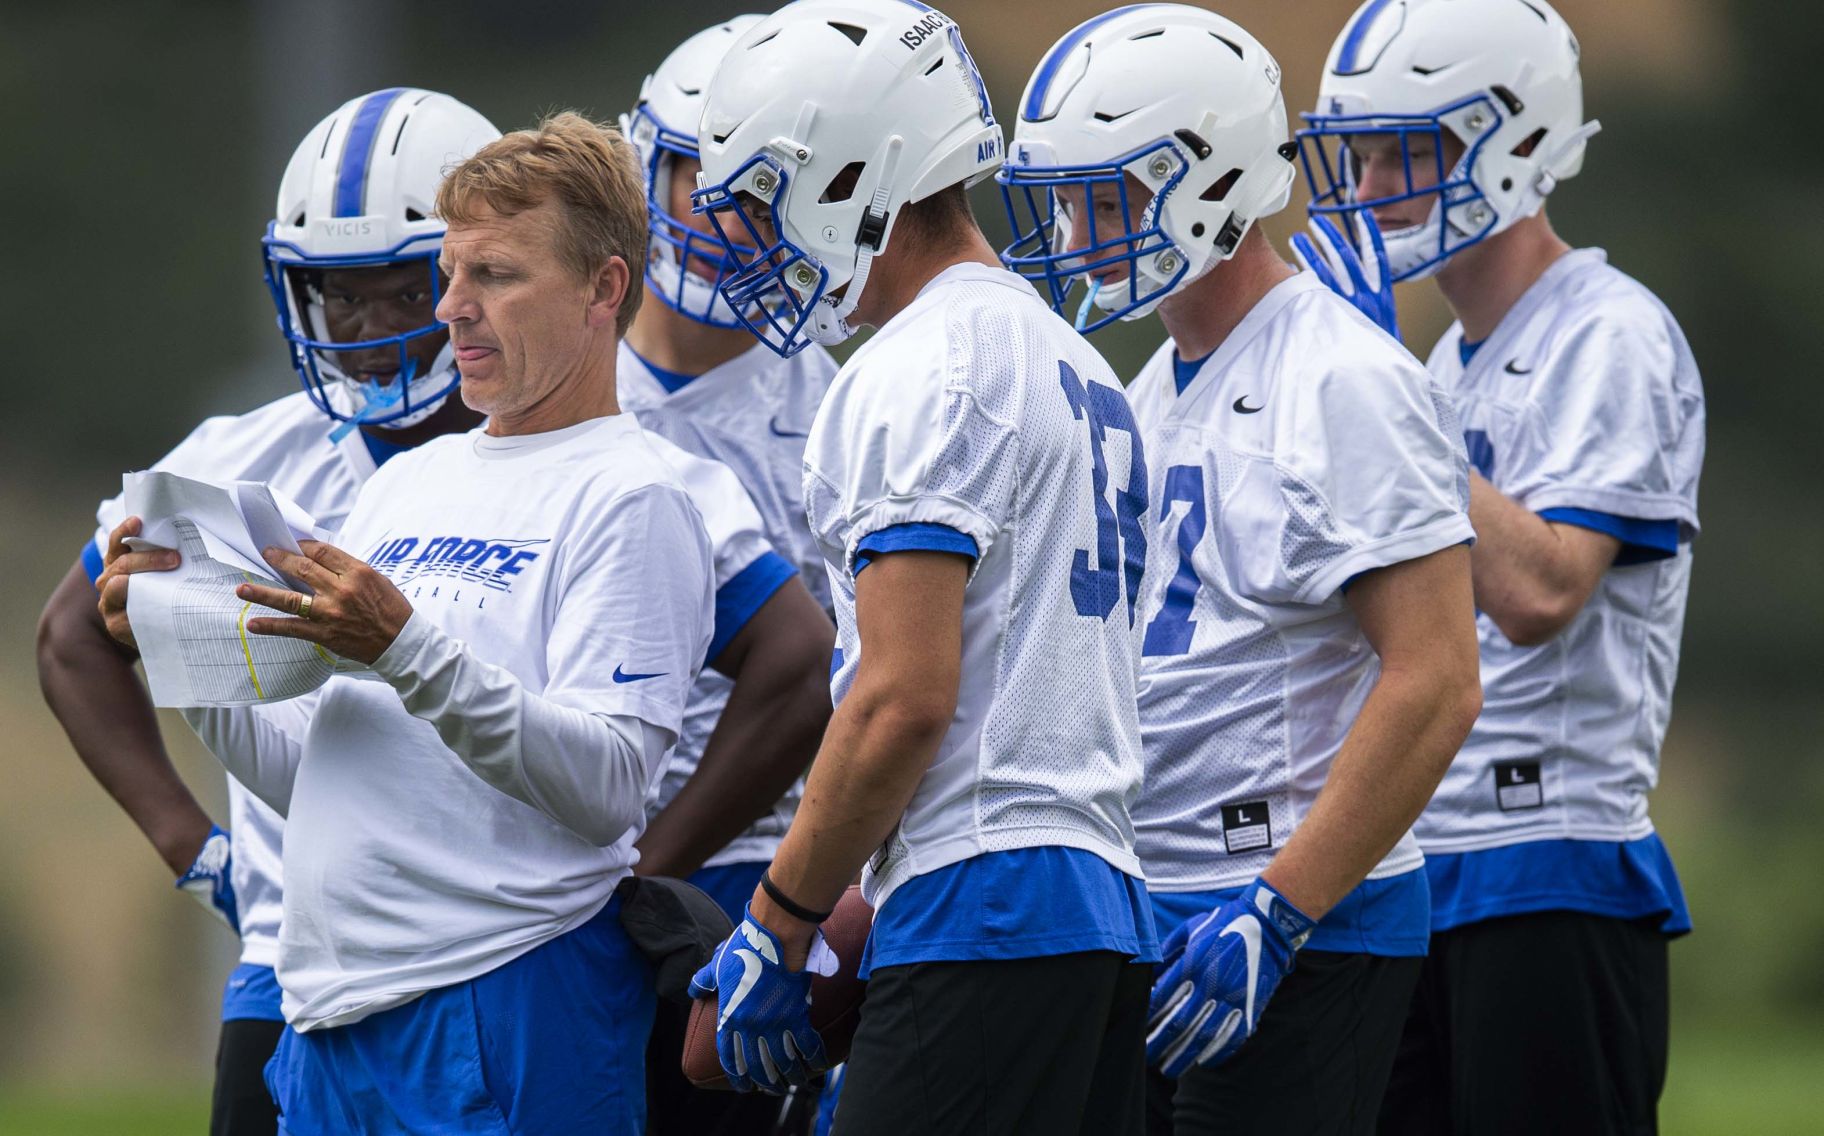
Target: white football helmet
(830,116)
(1185,101)
(663,125)
(1501,76)
(361,191)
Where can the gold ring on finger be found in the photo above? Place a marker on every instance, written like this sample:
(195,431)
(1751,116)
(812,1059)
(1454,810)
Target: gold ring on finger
(303,607)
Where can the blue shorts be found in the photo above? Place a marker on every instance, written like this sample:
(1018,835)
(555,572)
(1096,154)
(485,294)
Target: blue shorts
(552,1042)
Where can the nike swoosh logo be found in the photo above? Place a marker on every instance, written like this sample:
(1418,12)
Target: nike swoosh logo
(622,676)
(774,427)
(1242,407)
(750,974)
(1248,927)
(1513,370)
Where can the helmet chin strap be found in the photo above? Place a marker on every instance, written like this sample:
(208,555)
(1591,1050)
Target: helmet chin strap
(829,318)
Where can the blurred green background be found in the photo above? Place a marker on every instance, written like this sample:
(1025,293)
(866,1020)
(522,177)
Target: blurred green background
(144,143)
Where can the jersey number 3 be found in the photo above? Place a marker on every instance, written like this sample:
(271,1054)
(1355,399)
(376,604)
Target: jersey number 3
(1120,552)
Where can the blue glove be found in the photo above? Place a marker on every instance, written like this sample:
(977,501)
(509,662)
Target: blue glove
(1357,272)
(1219,972)
(209,881)
(763,1021)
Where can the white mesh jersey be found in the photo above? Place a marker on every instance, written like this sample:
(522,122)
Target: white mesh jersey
(285,444)
(1585,397)
(1308,448)
(751,414)
(979,409)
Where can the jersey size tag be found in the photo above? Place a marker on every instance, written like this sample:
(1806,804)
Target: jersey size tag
(1518,785)
(1245,827)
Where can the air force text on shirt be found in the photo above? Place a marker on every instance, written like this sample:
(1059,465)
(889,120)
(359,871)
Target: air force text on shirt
(492,562)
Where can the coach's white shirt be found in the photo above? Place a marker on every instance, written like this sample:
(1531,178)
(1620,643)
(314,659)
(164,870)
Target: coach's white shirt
(484,798)
(1309,448)
(967,410)
(1585,397)
(752,415)
(285,444)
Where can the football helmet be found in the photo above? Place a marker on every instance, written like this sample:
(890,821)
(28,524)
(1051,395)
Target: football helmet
(825,120)
(360,192)
(1499,76)
(663,127)
(1186,102)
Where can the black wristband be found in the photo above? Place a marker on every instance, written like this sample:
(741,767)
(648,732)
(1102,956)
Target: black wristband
(792,907)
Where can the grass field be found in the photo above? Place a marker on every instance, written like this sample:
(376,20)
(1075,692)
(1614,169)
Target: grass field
(1769,1083)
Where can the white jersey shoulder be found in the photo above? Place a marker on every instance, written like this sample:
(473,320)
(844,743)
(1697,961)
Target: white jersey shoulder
(576,562)
(286,444)
(1585,399)
(1254,668)
(751,414)
(977,409)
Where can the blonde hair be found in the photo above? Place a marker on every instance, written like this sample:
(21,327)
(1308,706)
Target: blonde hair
(591,171)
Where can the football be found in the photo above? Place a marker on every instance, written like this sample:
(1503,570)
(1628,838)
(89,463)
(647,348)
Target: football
(835,1000)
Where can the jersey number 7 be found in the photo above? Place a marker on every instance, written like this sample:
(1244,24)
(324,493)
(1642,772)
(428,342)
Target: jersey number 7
(1120,552)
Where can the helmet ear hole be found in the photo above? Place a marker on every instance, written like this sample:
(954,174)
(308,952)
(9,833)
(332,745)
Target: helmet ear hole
(413,214)
(842,186)
(1529,143)
(1220,189)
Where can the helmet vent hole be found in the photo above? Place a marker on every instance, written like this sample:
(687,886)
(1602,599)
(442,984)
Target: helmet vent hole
(855,34)
(400,133)
(1146,35)
(1535,12)
(298,221)
(1197,229)
(842,186)
(327,135)
(1228,43)
(1221,188)
(1508,99)
(768,38)
(690,92)
(1529,144)
(935,66)
(413,214)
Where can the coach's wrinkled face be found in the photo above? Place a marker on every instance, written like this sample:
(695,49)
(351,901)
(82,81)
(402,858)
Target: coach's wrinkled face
(522,320)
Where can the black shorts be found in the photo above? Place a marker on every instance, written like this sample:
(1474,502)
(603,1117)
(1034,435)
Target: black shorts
(242,1106)
(1554,1022)
(1318,1063)
(1042,1046)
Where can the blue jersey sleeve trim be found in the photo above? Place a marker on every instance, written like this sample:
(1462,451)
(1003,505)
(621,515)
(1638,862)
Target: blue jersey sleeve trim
(914,536)
(91,561)
(1641,540)
(741,597)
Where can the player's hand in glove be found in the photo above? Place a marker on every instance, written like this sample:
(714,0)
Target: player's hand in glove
(209,881)
(1219,972)
(763,1020)
(1355,271)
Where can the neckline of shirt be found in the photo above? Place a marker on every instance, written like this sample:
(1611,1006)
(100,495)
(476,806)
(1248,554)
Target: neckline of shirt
(496,448)
(1264,311)
(708,380)
(1529,303)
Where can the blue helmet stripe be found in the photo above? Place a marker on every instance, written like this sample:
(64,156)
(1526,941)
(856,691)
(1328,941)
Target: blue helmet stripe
(1352,40)
(1048,67)
(358,150)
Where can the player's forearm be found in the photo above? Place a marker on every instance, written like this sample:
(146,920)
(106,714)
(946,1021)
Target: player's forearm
(1410,728)
(586,771)
(1524,574)
(876,751)
(90,684)
(765,738)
